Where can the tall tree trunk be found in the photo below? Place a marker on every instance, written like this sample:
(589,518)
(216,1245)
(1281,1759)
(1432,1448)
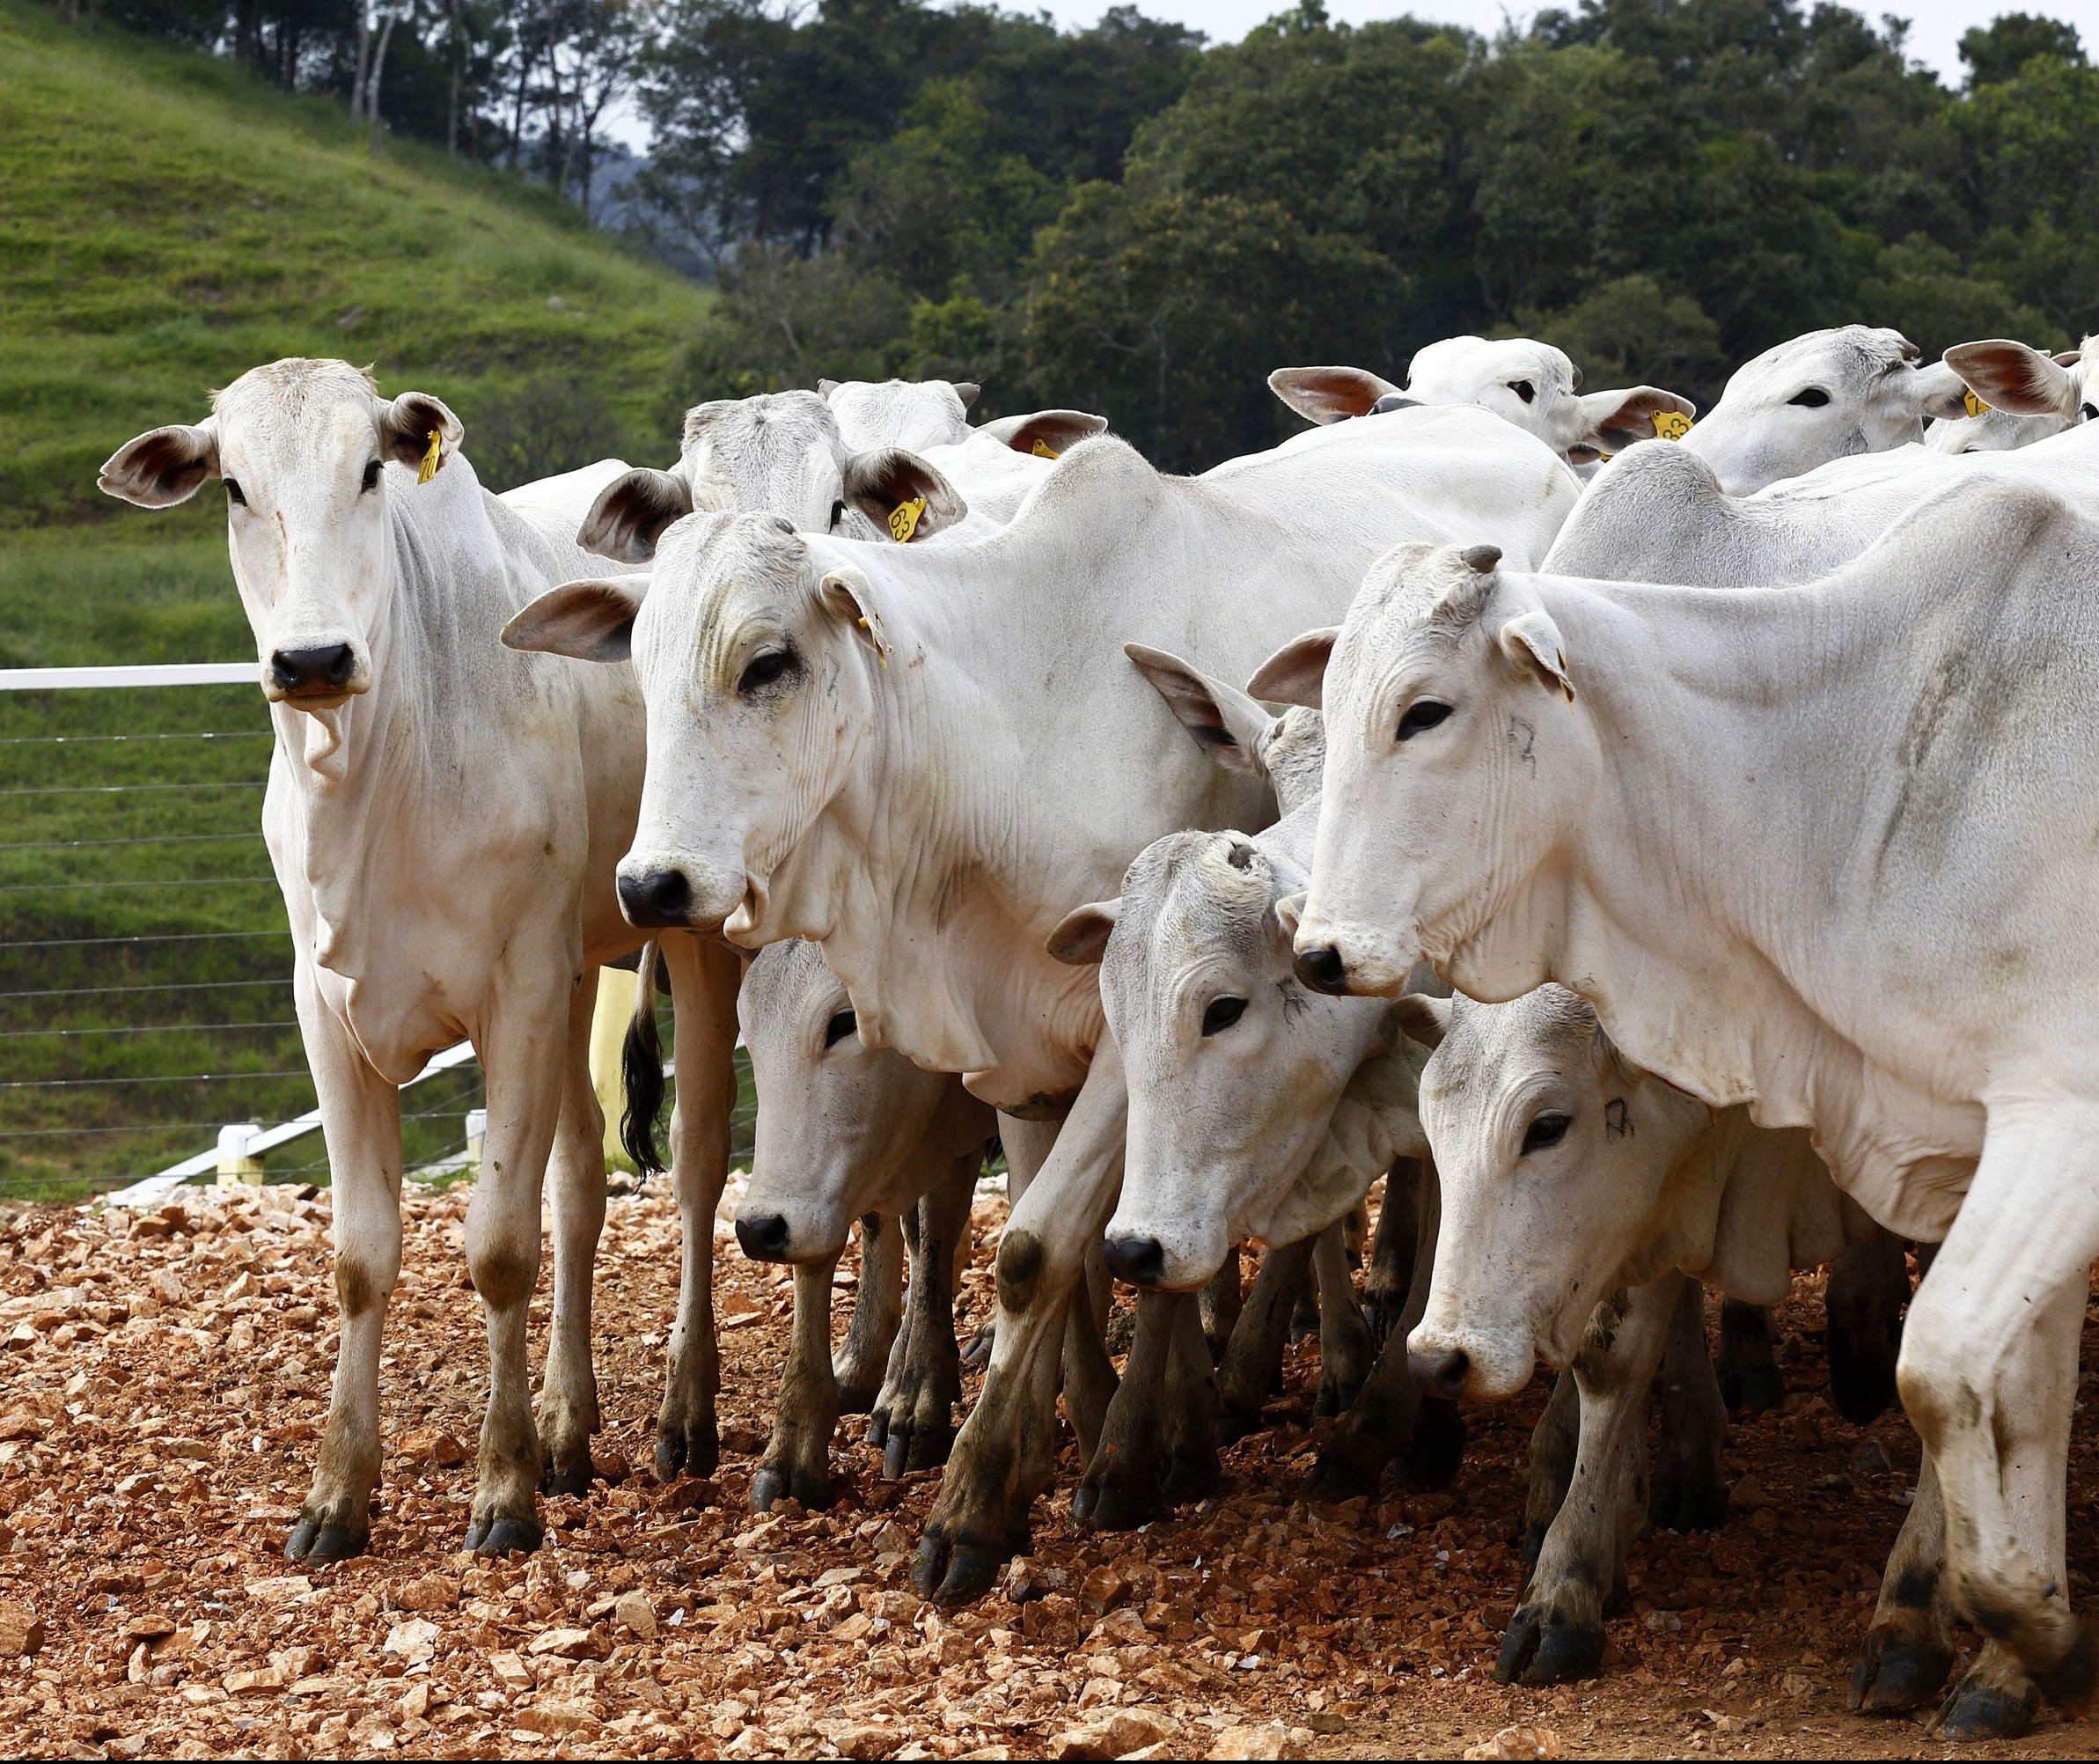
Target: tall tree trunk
(372,92)
(363,59)
(451,105)
(526,58)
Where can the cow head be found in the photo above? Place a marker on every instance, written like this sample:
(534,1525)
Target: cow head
(302,447)
(778,453)
(842,1123)
(1530,383)
(900,413)
(1454,759)
(1824,396)
(1554,1155)
(756,665)
(2028,396)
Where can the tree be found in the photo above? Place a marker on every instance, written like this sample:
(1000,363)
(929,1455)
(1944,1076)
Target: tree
(1995,52)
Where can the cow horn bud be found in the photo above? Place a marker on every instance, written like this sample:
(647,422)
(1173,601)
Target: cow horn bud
(1480,559)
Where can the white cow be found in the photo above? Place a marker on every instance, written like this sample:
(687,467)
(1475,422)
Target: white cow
(1577,1189)
(2029,395)
(1531,383)
(1824,396)
(857,744)
(1821,849)
(443,818)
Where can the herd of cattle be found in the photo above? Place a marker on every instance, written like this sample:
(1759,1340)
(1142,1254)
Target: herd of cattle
(1766,898)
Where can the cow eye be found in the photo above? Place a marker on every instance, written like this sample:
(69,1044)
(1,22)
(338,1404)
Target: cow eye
(1523,389)
(1814,398)
(838,513)
(1545,1132)
(2087,412)
(762,671)
(235,495)
(1223,1013)
(371,478)
(1423,713)
(839,1028)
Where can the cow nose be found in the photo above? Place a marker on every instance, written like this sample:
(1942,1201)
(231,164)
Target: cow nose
(764,1238)
(1142,1262)
(328,669)
(1442,1374)
(656,899)
(1322,971)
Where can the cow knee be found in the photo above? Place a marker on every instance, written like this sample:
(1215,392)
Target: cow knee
(1019,1265)
(504,1274)
(360,1287)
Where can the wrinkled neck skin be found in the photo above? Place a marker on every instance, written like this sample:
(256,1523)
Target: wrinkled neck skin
(1719,975)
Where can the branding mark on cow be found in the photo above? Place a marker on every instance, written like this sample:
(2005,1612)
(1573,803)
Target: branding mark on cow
(1671,425)
(430,459)
(1617,1118)
(1523,737)
(904,519)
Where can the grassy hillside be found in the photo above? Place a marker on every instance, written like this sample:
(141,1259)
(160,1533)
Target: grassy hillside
(165,223)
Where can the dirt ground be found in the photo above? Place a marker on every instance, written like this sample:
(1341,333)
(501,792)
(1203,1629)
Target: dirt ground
(162,1382)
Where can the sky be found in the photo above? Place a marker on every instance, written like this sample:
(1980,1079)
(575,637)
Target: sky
(1936,25)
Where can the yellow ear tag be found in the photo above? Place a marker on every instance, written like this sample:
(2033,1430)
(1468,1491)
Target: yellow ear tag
(904,519)
(1042,450)
(430,459)
(1671,425)
(1973,404)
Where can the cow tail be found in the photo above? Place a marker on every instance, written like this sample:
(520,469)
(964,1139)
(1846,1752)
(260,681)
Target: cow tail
(642,1069)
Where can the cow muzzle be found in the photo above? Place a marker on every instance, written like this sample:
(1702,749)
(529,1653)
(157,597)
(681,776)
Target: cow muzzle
(1464,1363)
(1350,962)
(315,677)
(1154,1262)
(669,893)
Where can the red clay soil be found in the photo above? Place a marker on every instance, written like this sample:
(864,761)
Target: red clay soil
(162,1383)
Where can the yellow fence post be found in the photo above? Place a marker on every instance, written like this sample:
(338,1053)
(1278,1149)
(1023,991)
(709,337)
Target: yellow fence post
(616,988)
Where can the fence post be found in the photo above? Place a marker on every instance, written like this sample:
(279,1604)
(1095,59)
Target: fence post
(477,1131)
(616,990)
(235,1168)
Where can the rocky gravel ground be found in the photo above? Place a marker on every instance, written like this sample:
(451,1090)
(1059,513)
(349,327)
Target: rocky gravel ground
(162,1383)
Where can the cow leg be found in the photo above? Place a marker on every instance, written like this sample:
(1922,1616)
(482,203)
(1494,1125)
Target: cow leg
(1006,1451)
(1221,1307)
(1159,1444)
(861,1367)
(1555,1442)
(1691,1477)
(1988,1372)
(1254,1357)
(1749,1366)
(704,977)
(1557,1634)
(1392,1252)
(1304,1305)
(1908,1649)
(360,1115)
(797,1458)
(1389,1418)
(1863,1305)
(913,1418)
(568,1388)
(1345,1349)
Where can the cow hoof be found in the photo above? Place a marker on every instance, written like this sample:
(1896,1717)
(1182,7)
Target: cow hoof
(910,1445)
(1193,1471)
(1687,1497)
(958,1571)
(1336,1396)
(327,1539)
(1340,1476)
(1118,1492)
(978,1350)
(856,1398)
(1753,1389)
(1549,1651)
(505,1534)
(789,1481)
(1894,1676)
(1436,1451)
(693,1452)
(572,1478)
(1976,1712)
(1234,1424)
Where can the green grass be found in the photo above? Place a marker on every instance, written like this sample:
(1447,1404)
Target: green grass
(165,222)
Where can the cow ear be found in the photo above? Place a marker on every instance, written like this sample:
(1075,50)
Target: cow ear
(163,467)
(1045,433)
(968,391)
(590,621)
(2008,375)
(1288,911)
(826,387)
(1329,394)
(1423,1019)
(845,595)
(1296,673)
(884,484)
(1613,421)
(632,511)
(1531,641)
(1226,723)
(1935,390)
(1081,939)
(420,430)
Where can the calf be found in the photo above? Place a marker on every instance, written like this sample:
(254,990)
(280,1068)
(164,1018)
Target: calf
(443,818)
